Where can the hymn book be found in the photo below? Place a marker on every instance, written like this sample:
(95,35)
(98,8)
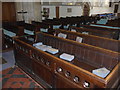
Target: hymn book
(67,57)
(102,72)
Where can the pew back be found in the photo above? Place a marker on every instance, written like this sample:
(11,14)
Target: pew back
(102,42)
(114,31)
(86,53)
(100,33)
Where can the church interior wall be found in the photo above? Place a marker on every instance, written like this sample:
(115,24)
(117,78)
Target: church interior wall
(34,10)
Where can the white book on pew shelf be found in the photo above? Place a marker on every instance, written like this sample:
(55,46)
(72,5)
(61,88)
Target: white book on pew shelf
(43,30)
(102,72)
(79,39)
(73,30)
(37,44)
(43,47)
(85,33)
(31,39)
(67,57)
(62,35)
(28,32)
(52,50)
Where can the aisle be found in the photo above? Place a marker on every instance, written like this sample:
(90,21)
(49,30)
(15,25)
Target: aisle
(16,78)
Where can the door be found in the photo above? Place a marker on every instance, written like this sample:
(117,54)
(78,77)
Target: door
(57,12)
(8,11)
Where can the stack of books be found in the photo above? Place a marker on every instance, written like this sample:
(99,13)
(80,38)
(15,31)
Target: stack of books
(47,48)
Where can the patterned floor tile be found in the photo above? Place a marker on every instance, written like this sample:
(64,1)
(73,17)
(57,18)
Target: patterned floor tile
(16,78)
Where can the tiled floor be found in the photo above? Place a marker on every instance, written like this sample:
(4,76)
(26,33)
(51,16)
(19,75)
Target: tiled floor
(16,78)
(12,76)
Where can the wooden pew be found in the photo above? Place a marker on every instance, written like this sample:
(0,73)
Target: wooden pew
(96,32)
(102,42)
(9,26)
(10,31)
(59,73)
(114,22)
(115,32)
(29,29)
(47,26)
(54,23)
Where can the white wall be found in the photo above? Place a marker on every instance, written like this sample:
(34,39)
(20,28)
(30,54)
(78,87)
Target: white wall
(52,11)
(33,11)
(119,8)
(18,9)
(76,11)
(100,10)
(37,11)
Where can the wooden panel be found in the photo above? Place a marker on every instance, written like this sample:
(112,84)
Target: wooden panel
(57,12)
(116,9)
(42,72)
(61,81)
(8,11)
(110,44)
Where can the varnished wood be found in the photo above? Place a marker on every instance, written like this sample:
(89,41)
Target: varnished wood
(113,31)
(102,42)
(91,56)
(96,32)
(8,11)
(57,12)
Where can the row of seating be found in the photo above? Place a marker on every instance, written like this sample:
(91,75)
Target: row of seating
(51,71)
(54,72)
(97,41)
(70,21)
(114,22)
(115,31)
(49,25)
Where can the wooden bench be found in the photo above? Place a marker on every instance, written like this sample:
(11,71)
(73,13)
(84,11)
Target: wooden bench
(103,28)
(10,31)
(100,33)
(51,71)
(102,42)
(29,29)
(46,26)
(114,22)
